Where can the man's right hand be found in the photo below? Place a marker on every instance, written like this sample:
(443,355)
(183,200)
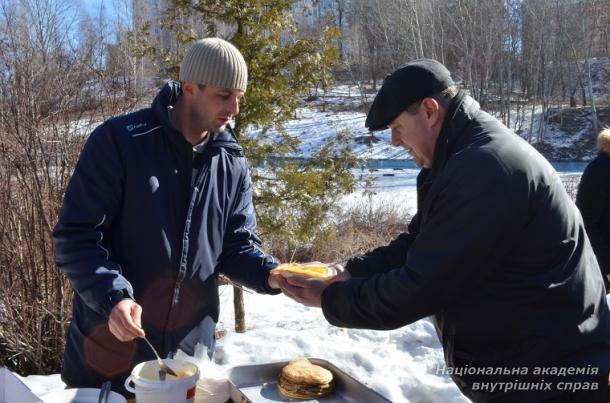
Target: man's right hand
(125,321)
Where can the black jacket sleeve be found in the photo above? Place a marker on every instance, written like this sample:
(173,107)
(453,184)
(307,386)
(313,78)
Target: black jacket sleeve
(593,200)
(384,258)
(468,230)
(242,258)
(91,203)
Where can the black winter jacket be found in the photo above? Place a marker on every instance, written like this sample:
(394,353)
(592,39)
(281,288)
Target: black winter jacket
(593,200)
(496,254)
(132,226)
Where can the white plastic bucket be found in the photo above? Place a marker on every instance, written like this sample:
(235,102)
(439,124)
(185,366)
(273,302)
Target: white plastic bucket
(150,389)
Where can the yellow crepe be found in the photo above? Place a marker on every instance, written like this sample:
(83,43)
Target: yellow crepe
(315,270)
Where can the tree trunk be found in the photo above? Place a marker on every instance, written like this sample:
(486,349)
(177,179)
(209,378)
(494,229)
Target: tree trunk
(340,10)
(543,119)
(240,312)
(592,100)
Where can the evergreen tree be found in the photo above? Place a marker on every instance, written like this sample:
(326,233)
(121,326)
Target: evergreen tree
(292,197)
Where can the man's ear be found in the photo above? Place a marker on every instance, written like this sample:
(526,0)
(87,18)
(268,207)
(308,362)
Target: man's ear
(430,106)
(188,88)
(432,109)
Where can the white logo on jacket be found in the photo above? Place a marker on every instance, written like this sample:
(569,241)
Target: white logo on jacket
(133,127)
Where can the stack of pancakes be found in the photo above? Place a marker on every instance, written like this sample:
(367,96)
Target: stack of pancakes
(301,379)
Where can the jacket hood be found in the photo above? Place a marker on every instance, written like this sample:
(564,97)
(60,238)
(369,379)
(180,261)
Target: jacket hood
(168,96)
(603,141)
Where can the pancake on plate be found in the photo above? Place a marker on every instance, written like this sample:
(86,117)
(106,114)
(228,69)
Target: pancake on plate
(316,270)
(301,379)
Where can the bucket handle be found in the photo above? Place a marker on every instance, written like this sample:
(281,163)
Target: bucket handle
(128,384)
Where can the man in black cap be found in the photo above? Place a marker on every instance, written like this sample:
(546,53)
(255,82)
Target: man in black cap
(497,254)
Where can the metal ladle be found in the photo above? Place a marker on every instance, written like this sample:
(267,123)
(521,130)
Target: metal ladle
(164,367)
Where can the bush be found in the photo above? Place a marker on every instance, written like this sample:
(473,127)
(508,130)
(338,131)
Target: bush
(43,122)
(355,229)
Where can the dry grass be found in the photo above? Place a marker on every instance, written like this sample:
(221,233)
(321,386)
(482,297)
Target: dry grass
(35,302)
(44,119)
(354,230)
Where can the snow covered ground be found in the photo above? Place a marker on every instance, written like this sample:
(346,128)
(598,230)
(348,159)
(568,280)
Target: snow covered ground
(390,188)
(313,128)
(400,364)
(343,110)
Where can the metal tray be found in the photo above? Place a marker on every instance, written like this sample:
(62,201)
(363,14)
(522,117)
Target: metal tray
(258,383)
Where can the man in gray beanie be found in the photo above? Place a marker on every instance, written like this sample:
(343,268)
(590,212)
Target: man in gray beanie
(159,204)
(496,255)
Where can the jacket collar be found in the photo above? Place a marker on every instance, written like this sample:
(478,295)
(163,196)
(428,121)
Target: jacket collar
(462,109)
(168,96)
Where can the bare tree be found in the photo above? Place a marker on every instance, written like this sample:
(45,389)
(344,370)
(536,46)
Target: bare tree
(51,94)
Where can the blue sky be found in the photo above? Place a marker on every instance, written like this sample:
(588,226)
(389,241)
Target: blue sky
(92,7)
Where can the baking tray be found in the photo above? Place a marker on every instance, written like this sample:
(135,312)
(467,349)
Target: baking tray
(258,383)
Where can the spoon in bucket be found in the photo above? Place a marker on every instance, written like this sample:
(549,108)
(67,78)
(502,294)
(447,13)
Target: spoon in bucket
(164,367)
(104,392)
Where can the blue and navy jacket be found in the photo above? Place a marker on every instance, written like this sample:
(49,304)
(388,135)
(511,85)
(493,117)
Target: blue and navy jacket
(133,226)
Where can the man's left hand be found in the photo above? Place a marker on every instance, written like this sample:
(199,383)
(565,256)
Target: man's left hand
(304,290)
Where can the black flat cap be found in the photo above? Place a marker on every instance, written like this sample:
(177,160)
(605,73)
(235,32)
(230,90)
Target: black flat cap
(412,82)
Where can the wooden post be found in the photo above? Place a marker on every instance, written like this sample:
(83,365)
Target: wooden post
(240,312)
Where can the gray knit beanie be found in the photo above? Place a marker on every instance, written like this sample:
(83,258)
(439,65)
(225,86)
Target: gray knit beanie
(214,61)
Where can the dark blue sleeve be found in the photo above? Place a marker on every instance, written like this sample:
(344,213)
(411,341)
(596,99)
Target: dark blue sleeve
(91,203)
(385,258)
(243,260)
